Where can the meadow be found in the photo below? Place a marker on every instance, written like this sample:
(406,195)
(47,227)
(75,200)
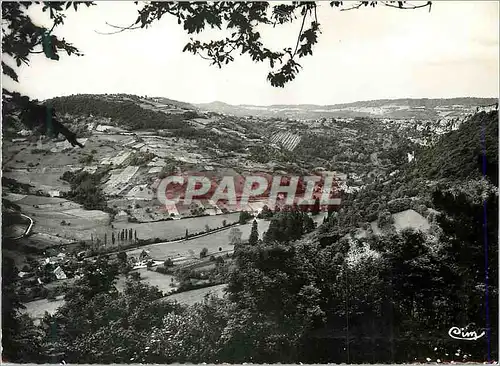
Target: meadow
(176,229)
(184,248)
(49,213)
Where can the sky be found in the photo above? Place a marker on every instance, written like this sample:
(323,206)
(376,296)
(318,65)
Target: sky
(363,54)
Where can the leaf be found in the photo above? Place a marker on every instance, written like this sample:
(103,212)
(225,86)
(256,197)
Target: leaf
(9,71)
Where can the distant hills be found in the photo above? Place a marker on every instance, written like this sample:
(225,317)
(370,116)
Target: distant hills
(138,112)
(128,111)
(144,100)
(383,108)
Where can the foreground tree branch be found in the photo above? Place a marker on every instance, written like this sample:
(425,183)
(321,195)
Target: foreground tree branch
(242,19)
(21,38)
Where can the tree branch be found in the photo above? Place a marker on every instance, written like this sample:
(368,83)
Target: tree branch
(120,28)
(353,7)
(409,7)
(300,33)
(204,57)
(53,26)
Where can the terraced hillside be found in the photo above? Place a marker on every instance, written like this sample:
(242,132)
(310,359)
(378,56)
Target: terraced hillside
(286,139)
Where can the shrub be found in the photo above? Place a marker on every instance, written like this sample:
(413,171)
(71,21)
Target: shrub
(385,219)
(135,276)
(244,217)
(168,263)
(51,296)
(162,270)
(26,268)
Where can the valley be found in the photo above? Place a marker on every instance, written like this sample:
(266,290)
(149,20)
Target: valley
(102,200)
(217,183)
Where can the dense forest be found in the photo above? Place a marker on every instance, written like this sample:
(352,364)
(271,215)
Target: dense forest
(459,154)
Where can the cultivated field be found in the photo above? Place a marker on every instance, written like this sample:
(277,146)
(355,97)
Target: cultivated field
(173,148)
(119,179)
(287,139)
(176,229)
(48,214)
(162,281)
(45,179)
(21,154)
(212,242)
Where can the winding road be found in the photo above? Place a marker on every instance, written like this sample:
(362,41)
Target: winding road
(28,229)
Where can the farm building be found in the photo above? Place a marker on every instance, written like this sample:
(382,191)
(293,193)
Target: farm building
(59,273)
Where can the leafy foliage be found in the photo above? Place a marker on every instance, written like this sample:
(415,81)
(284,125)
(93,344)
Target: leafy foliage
(456,160)
(21,341)
(459,154)
(241,21)
(99,323)
(244,217)
(254,234)
(39,118)
(288,225)
(86,189)
(21,38)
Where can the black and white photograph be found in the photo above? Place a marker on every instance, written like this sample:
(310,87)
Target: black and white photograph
(247,182)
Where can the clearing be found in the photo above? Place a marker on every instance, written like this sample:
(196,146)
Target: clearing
(408,219)
(196,296)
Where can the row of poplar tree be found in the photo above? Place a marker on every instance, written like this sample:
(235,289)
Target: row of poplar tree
(121,236)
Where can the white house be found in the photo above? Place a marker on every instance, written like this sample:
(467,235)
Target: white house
(60,275)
